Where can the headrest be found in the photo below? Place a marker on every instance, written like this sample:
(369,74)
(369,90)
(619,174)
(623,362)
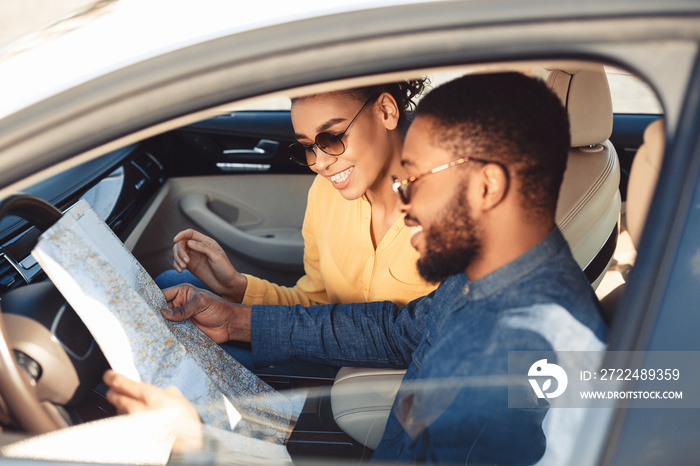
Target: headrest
(584,91)
(643,177)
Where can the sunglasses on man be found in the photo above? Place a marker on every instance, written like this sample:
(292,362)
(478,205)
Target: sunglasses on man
(402,188)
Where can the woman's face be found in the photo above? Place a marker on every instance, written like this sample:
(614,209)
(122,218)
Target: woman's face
(370,142)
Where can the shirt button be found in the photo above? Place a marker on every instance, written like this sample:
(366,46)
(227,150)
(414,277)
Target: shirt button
(466,290)
(410,420)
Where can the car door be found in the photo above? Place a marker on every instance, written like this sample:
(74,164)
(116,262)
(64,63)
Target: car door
(230,177)
(660,309)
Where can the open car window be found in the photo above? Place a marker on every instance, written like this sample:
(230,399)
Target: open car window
(198,138)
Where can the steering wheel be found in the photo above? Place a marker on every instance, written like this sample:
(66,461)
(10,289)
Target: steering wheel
(20,396)
(16,389)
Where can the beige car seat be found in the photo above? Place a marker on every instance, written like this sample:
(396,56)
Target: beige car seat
(587,213)
(644,174)
(588,210)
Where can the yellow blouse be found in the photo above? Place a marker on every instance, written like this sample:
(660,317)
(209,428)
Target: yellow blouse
(340,261)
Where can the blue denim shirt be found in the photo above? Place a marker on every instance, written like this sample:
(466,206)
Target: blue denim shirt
(452,406)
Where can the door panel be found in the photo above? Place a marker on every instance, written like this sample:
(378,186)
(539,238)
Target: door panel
(240,142)
(231,178)
(255,218)
(239,229)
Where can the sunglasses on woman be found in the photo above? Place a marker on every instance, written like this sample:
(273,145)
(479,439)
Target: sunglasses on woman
(402,188)
(331,144)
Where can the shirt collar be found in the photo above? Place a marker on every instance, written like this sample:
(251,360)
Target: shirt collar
(505,276)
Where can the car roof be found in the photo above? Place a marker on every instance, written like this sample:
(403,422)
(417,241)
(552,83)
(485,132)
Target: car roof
(81,97)
(119,33)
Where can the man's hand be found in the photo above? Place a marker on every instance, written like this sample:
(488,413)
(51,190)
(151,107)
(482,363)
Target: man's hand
(130,397)
(203,256)
(218,318)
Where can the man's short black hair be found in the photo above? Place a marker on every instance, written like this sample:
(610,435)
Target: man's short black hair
(508,118)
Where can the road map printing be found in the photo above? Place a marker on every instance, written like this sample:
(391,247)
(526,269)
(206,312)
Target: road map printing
(120,304)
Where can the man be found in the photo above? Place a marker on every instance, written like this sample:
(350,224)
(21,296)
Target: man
(487,155)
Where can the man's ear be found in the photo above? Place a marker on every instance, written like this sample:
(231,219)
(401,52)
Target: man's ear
(389,110)
(495,185)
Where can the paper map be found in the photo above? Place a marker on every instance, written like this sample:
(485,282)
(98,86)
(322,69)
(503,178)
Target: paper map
(120,304)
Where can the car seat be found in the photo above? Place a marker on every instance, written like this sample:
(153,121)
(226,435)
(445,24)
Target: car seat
(644,174)
(589,204)
(587,213)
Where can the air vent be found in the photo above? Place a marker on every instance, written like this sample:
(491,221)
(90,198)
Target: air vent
(149,166)
(9,277)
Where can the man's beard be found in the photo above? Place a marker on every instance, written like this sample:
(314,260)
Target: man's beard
(452,243)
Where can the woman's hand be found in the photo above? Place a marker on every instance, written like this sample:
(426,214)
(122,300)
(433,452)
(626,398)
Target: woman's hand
(130,397)
(203,256)
(218,318)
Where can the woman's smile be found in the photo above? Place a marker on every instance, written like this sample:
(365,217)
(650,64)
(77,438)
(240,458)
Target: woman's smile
(341,180)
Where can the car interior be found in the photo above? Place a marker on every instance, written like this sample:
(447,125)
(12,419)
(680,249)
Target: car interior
(230,177)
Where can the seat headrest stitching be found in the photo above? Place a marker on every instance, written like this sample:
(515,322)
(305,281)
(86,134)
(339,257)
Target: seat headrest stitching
(582,202)
(579,205)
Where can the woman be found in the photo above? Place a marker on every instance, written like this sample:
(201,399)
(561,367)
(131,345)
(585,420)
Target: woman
(356,245)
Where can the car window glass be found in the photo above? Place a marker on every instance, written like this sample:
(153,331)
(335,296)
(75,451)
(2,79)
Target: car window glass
(630,94)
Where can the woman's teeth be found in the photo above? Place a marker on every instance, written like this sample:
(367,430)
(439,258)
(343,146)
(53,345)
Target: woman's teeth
(342,176)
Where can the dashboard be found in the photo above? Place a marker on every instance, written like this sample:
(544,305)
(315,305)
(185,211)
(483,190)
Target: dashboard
(50,343)
(118,186)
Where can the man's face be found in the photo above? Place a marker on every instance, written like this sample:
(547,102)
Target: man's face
(445,232)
